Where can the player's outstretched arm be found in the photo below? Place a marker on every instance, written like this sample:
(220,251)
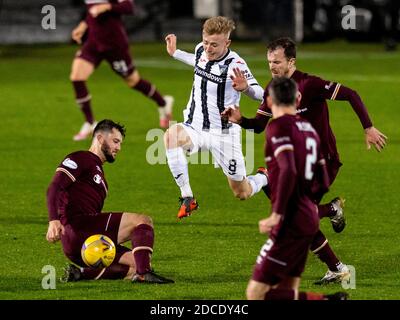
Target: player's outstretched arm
(185,57)
(240,83)
(375,137)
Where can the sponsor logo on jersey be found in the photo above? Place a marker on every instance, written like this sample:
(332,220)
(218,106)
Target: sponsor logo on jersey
(222,68)
(207,75)
(97,178)
(328,86)
(70,163)
(275,140)
(301,110)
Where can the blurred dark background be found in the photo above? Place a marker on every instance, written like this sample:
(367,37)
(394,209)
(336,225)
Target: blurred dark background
(257,20)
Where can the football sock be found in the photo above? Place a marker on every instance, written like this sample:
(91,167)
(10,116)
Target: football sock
(150,91)
(322,249)
(179,168)
(113,272)
(326,210)
(83,99)
(257,182)
(142,239)
(290,294)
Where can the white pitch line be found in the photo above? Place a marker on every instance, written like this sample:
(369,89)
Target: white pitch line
(165,64)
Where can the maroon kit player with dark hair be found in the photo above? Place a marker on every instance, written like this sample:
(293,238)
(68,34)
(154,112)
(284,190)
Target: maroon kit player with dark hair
(75,199)
(108,40)
(296,172)
(314,108)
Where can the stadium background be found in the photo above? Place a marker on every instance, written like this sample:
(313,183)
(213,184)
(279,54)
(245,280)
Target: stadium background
(211,254)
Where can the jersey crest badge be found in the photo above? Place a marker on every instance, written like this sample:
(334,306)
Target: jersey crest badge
(70,163)
(97,179)
(222,68)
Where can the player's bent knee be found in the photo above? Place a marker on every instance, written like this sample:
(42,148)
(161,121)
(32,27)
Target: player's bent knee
(143,219)
(256,291)
(171,137)
(241,195)
(133,79)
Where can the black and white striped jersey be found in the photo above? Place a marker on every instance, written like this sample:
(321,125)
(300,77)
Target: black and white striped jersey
(212,89)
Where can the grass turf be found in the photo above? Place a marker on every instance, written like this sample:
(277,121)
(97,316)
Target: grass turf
(211,254)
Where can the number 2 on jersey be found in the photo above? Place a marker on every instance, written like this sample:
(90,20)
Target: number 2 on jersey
(311,159)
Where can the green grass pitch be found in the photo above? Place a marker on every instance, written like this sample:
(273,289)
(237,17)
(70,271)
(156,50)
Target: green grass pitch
(211,254)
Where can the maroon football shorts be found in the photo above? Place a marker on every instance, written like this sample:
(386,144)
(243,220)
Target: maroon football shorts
(86,226)
(284,257)
(119,58)
(332,167)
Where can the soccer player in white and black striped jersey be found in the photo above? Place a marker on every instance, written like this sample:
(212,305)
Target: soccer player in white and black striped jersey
(218,83)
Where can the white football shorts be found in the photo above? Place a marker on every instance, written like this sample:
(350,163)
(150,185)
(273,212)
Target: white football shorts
(226,149)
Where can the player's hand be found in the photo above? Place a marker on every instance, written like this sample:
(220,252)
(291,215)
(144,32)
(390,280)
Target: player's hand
(375,137)
(78,32)
(239,81)
(232,114)
(98,9)
(266,225)
(171,44)
(54,231)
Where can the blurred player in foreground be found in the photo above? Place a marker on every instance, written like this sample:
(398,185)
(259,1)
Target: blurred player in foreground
(296,171)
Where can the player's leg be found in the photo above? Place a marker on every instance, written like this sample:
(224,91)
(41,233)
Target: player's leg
(121,62)
(165,103)
(333,209)
(227,152)
(123,267)
(337,271)
(257,290)
(248,186)
(179,139)
(139,229)
(83,66)
(72,241)
(288,289)
(276,275)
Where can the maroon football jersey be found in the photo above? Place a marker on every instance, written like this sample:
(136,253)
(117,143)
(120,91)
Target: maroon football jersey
(293,134)
(86,194)
(314,108)
(107,30)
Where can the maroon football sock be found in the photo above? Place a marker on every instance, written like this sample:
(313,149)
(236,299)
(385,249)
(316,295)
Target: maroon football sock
(142,239)
(326,210)
(289,294)
(150,91)
(322,249)
(83,99)
(112,272)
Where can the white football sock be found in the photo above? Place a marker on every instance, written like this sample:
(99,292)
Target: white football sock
(257,181)
(179,168)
